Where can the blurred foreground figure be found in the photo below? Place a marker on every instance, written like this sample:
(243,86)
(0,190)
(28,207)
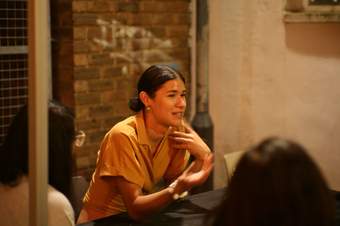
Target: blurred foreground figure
(276,183)
(14,181)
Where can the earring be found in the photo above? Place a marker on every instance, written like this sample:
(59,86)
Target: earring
(147,108)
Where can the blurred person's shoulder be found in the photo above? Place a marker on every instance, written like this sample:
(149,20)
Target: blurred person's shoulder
(60,211)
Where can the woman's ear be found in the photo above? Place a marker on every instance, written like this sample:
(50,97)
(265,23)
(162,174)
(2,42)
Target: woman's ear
(144,97)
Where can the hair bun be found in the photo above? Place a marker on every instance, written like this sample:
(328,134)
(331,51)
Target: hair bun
(135,104)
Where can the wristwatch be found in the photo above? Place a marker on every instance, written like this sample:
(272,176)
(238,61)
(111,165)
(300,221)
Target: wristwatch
(176,196)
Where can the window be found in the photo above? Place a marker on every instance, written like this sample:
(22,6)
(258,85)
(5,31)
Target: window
(13,60)
(312,11)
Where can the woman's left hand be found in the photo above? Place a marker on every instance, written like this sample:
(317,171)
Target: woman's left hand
(196,174)
(189,140)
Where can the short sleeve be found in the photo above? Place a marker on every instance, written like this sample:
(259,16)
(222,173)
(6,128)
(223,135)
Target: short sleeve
(118,158)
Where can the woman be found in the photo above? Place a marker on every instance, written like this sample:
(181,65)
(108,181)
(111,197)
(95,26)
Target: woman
(277,183)
(140,153)
(14,186)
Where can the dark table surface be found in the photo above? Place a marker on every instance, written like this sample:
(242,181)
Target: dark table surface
(190,211)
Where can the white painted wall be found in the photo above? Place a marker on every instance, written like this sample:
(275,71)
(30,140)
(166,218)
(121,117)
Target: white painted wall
(271,78)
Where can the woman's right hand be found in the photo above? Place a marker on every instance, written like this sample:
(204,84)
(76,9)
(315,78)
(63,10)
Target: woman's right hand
(189,140)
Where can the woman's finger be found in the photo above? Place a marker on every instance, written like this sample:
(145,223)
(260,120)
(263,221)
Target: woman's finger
(179,139)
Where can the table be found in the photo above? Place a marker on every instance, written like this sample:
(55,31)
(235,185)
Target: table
(190,211)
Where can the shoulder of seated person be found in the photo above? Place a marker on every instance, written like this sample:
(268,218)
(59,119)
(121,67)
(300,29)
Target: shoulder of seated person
(57,200)
(60,208)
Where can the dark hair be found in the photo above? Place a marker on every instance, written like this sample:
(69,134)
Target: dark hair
(150,81)
(277,183)
(14,152)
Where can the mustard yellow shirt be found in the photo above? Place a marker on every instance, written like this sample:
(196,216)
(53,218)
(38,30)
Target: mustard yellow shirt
(126,151)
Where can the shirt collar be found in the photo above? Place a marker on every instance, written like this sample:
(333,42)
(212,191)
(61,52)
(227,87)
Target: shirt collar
(141,129)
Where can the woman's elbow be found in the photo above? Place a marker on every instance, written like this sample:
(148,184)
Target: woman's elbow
(136,215)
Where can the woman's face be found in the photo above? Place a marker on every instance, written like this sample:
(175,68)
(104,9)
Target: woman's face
(169,103)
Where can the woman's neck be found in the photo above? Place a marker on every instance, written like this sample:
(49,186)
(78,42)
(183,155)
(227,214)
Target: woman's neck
(154,136)
(154,130)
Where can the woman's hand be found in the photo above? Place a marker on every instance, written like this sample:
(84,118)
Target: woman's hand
(189,140)
(196,174)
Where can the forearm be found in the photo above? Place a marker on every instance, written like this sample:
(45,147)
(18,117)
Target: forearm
(202,152)
(146,205)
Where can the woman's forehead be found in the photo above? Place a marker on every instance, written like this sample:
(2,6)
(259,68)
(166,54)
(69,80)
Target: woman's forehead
(174,84)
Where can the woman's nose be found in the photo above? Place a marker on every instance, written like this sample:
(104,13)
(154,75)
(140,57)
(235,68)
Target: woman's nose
(181,102)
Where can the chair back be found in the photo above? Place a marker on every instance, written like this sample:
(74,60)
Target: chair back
(231,159)
(79,187)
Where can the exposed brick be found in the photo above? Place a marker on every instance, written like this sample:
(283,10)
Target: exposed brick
(80,60)
(80,6)
(90,124)
(139,43)
(64,5)
(95,47)
(86,73)
(65,48)
(87,99)
(63,34)
(101,111)
(158,31)
(135,70)
(96,33)
(102,6)
(111,72)
(158,7)
(120,108)
(81,46)
(65,94)
(162,18)
(140,19)
(109,122)
(96,136)
(81,113)
(98,72)
(156,55)
(180,42)
(100,85)
(83,161)
(183,18)
(85,19)
(179,31)
(174,0)
(66,61)
(124,85)
(178,53)
(128,6)
(65,19)
(80,86)
(100,59)
(80,32)
(151,6)
(111,96)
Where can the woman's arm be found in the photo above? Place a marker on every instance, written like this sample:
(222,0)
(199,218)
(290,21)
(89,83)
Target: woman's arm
(140,206)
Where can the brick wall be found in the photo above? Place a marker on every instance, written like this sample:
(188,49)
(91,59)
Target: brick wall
(113,42)
(62,51)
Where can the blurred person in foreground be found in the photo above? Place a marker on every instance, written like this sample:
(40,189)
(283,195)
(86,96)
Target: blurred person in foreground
(276,183)
(14,181)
